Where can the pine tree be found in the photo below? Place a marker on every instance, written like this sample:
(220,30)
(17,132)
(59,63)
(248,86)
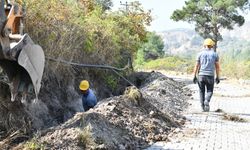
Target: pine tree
(209,16)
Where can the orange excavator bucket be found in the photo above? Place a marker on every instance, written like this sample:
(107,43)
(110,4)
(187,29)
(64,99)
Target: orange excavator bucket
(21,59)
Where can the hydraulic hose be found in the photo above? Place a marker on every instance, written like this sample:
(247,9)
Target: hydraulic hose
(87,65)
(114,69)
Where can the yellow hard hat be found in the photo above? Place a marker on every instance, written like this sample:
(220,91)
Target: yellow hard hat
(208,42)
(84,85)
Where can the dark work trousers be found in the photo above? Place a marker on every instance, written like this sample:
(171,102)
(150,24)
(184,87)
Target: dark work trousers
(205,82)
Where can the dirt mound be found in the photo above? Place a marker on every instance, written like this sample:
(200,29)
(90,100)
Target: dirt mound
(85,130)
(165,94)
(129,121)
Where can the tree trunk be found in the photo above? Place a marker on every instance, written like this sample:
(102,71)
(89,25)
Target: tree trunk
(216,38)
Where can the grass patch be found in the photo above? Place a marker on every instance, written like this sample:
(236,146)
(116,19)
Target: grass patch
(34,144)
(85,138)
(134,95)
(172,63)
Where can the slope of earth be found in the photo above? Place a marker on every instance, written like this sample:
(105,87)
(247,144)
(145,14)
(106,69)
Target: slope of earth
(133,120)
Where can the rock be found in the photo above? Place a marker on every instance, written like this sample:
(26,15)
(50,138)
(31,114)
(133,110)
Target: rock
(141,118)
(151,113)
(101,147)
(121,147)
(177,130)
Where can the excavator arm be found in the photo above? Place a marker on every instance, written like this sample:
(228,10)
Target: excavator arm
(2,15)
(20,58)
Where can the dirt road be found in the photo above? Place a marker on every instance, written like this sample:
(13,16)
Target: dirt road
(225,127)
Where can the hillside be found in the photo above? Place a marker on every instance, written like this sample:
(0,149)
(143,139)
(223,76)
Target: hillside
(185,42)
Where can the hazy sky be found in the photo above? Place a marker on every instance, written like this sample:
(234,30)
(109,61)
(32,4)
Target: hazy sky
(161,12)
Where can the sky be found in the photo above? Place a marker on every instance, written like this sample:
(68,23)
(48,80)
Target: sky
(161,13)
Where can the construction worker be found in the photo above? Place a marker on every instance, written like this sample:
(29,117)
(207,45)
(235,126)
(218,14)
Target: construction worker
(88,97)
(207,63)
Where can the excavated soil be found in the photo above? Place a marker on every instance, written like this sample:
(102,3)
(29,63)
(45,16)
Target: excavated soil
(130,121)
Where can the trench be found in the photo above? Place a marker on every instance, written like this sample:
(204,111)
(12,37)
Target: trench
(59,100)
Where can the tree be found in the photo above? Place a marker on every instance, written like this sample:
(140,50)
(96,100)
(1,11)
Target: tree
(131,26)
(210,16)
(106,4)
(137,18)
(150,50)
(154,47)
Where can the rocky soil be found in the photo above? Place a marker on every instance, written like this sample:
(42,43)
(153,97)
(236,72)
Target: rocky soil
(133,120)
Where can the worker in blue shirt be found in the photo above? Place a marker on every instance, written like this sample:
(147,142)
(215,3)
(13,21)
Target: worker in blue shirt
(88,97)
(207,63)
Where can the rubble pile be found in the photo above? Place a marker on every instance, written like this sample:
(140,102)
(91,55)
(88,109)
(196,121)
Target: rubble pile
(167,95)
(131,121)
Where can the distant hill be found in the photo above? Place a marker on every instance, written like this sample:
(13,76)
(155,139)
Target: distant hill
(186,42)
(242,32)
(180,41)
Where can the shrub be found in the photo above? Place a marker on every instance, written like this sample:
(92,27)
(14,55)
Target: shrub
(172,63)
(34,145)
(85,138)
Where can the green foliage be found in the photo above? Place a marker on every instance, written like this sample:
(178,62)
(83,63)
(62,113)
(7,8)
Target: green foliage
(111,81)
(136,19)
(235,61)
(150,50)
(209,16)
(131,28)
(236,69)
(140,60)
(83,30)
(34,144)
(154,45)
(172,63)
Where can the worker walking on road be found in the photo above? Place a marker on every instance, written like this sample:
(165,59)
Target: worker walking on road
(88,97)
(207,63)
